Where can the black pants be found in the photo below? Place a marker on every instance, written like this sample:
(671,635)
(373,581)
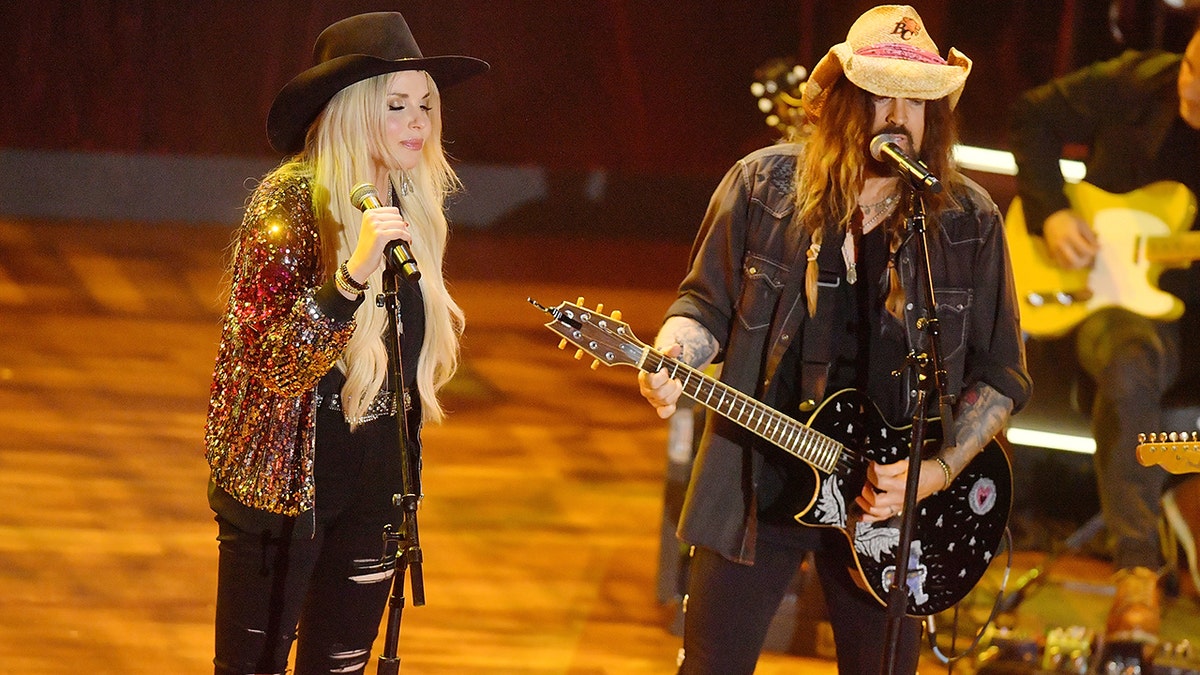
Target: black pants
(1133,361)
(730,607)
(326,591)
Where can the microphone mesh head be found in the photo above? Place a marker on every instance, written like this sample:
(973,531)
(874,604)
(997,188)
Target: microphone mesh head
(361,193)
(878,141)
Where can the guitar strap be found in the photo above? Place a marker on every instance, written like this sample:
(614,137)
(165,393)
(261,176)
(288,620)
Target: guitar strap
(816,354)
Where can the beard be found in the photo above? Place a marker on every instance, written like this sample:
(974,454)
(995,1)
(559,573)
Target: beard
(879,167)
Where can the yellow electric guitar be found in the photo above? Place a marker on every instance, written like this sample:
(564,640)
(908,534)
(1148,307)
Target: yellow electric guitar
(1177,452)
(1140,233)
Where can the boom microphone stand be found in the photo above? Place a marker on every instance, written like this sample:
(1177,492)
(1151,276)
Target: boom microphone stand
(405,546)
(926,364)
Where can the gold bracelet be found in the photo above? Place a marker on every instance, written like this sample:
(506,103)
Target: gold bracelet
(344,281)
(945,471)
(337,279)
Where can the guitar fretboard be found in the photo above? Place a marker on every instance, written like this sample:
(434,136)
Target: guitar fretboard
(798,439)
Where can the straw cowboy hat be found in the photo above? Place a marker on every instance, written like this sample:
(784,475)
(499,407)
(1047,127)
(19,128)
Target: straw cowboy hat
(888,53)
(350,51)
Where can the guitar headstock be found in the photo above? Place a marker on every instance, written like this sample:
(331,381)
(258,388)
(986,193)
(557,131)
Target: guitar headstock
(605,337)
(1177,452)
(779,87)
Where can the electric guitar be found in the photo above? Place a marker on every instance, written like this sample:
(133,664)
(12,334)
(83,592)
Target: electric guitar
(958,530)
(1177,452)
(1140,232)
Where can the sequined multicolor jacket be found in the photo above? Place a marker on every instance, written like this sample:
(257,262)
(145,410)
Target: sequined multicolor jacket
(283,329)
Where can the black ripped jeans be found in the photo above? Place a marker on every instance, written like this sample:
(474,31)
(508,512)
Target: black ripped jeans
(317,579)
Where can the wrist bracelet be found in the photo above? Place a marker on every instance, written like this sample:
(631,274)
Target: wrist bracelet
(340,282)
(945,471)
(344,281)
(343,286)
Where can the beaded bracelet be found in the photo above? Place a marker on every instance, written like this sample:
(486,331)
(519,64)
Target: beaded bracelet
(945,471)
(347,283)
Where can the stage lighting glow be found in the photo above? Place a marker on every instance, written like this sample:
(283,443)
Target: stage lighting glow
(1002,162)
(1053,441)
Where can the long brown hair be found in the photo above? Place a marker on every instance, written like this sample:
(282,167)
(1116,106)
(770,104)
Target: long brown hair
(831,172)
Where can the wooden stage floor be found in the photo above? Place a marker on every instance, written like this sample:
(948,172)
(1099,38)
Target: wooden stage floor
(544,492)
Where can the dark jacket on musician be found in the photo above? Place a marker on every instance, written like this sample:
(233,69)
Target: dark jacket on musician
(1124,110)
(746,287)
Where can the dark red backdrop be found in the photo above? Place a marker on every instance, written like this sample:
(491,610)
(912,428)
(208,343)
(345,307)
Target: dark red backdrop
(625,85)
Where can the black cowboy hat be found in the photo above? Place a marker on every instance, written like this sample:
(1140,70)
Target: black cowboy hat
(350,51)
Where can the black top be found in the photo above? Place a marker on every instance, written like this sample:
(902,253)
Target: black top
(863,358)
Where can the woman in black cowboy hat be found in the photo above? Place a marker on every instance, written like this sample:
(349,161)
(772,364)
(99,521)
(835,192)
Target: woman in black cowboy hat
(301,434)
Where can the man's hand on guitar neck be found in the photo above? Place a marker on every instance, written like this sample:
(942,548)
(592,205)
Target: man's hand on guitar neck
(658,388)
(1070,240)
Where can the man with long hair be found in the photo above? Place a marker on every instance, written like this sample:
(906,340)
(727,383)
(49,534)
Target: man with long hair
(803,282)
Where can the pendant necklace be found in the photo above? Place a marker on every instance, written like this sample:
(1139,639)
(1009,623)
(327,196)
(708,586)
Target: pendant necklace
(868,217)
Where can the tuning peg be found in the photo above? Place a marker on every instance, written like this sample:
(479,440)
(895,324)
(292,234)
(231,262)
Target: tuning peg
(562,344)
(616,315)
(1141,438)
(600,308)
(579,301)
(579,355)
(595,364)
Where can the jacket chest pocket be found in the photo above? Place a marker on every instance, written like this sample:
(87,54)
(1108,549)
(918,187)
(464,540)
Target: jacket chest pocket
(762,282)
(954,313)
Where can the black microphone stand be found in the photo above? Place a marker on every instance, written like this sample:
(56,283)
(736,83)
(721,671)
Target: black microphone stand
(404,547)
(929,375)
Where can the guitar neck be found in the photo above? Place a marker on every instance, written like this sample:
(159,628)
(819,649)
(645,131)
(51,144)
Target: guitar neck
(1173,249)
(798,439)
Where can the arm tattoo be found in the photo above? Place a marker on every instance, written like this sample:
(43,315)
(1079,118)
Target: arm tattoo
(982,413)
(699,346)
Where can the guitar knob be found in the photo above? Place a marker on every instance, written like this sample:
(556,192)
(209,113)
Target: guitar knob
(562,344)
(579,355)
(596,364)
(616,315)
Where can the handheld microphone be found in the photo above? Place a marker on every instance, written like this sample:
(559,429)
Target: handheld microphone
(886,148)
(397,253)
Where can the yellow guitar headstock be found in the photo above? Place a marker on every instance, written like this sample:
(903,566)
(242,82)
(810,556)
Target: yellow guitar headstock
(1175,451)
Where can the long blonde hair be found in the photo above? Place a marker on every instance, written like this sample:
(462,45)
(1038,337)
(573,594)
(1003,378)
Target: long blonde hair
(341,150)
